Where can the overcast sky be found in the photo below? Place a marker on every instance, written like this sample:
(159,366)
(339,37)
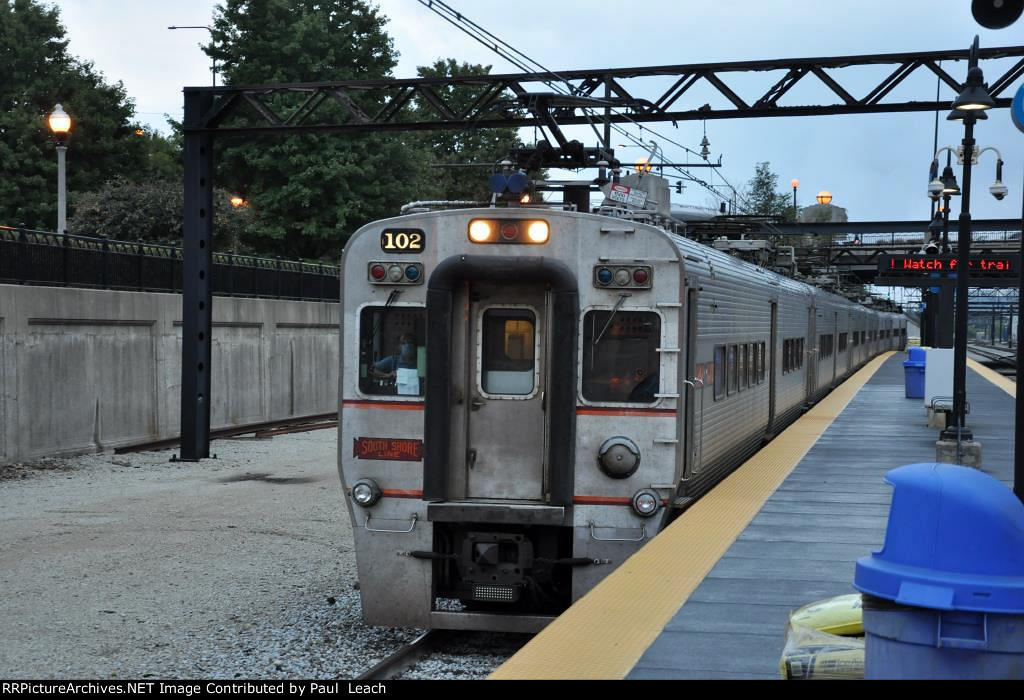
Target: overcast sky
(875,165)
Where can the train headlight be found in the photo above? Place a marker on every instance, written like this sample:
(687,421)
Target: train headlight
(480,231)
(538,232)
(645,503)
(366,492)
(618,457)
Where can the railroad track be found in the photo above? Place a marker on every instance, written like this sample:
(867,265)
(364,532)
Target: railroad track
(407,656)
(1003,360)
(259,431)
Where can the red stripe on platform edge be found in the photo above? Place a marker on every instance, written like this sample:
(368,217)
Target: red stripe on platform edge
(398,493)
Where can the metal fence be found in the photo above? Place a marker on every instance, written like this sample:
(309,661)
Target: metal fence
(46,258)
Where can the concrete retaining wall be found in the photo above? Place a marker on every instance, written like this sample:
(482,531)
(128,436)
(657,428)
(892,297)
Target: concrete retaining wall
(87,370)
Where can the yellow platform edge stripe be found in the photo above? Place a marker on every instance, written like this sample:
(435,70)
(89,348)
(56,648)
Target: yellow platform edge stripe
(604,634)
(1007,385)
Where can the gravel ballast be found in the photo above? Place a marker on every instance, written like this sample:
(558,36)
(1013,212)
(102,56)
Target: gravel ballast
(122,566)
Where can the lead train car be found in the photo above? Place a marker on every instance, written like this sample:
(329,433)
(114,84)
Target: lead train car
(522,412)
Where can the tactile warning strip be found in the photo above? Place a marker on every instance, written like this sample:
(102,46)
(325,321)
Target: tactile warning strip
(605,633)
(1004,383)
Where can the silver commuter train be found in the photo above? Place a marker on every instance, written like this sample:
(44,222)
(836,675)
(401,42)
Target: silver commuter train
(528,395)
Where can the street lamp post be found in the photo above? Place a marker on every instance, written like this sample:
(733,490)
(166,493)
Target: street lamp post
(945,187)
(213,69)
(60,125)
(794,183)
(971,100)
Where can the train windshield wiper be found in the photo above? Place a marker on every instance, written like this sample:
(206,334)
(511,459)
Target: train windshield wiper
(387,305)
(615,310)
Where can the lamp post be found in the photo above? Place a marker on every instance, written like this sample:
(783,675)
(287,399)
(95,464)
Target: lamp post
(213,69)
(794,183)
(945,188)
(60,125)
(970,102)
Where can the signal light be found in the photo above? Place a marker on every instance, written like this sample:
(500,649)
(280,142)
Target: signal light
(395,273)
(479,230)
(629,276)
(516,231)
(538,232)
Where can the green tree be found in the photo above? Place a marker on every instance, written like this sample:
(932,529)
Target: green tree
(310,192)
(37,73)
(481,147)
(763,197)
(152,211)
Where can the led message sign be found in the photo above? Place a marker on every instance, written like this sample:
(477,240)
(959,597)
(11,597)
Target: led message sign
(986,270)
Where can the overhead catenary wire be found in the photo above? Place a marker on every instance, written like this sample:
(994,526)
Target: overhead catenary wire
(562,86)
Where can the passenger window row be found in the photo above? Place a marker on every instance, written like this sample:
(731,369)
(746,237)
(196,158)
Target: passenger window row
(739,366)
(825,343)
(792,355)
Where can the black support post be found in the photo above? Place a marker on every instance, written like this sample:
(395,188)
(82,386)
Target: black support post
(958,430)
(196,299)
(944,325)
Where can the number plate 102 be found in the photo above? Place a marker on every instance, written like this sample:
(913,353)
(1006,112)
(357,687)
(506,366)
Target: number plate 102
(402,240)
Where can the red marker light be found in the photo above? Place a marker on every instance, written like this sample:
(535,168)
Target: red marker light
(378,272)
(509,232)
(640,276)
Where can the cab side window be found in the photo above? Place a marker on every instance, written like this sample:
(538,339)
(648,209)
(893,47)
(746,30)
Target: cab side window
(620,356)
(392,351)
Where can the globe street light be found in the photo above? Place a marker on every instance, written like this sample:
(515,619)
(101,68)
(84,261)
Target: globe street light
(794,183)
(824,197)
(60,125)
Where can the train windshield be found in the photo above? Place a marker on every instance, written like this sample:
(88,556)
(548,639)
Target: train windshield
(622,365)
(392,350)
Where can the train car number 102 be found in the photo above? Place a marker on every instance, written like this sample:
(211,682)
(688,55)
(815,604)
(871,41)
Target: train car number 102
(395,240)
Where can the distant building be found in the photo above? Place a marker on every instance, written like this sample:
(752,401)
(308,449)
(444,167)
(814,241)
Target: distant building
(822,214)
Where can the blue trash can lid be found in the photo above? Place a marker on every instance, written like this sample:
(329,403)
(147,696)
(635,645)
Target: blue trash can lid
(955,541)
(916,355)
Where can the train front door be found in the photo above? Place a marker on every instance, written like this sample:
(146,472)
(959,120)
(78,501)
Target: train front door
(505,426)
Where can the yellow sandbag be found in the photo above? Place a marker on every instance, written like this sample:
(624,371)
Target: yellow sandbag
(841,615)
(813,655)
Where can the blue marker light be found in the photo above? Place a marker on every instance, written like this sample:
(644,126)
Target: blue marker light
(604,276)
(412,272)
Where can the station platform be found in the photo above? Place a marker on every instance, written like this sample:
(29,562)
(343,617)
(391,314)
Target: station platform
(710,596)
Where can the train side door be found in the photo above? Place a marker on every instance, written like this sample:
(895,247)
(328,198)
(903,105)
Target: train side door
(694,390)
(772,365)
(505,425)
(811,352)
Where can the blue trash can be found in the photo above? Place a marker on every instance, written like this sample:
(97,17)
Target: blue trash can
(944,598)
(913,374)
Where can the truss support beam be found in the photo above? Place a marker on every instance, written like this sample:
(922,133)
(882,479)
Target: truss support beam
(497,100)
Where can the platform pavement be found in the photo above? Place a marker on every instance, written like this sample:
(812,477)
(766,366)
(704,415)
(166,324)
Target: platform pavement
(803,545)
